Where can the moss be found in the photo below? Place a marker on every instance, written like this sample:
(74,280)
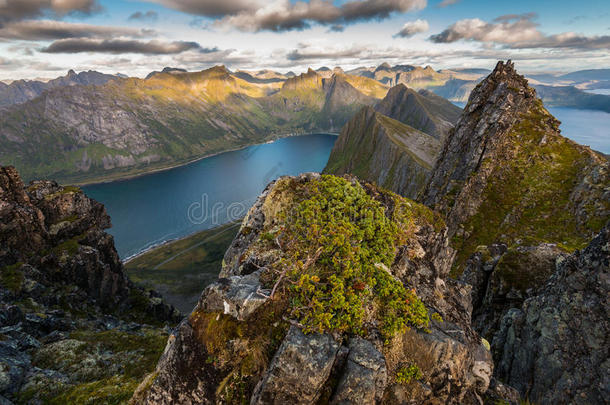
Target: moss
(11,277)
(71,218)
(64,190)
(435,316)
(148,345)
(110,391)
(267,236)
(406,374)
(527,197)
(522,270)
(69,247)
(87,354)
(240,351)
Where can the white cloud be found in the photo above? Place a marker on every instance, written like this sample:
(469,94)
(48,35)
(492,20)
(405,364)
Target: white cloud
(519,32)
(284,15)
(413,27)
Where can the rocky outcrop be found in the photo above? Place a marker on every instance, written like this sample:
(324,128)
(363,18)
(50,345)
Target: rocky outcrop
(385,151)
(506,175)
(65,302)
(269,355)
(422,110)
(554,349)
(396,142)
(503,278)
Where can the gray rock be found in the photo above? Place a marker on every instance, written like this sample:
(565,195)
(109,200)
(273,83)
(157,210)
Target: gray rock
(238,296)
(299,369)
(554,350)
(14,365)
(365,376)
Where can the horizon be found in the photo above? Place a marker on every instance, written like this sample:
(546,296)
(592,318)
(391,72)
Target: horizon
(45,39)
(294,71)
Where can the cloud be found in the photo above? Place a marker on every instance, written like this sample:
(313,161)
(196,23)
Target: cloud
(284,15)
(33,30)
(213,8)
(336,28)
(517,31)
(413,27)
(11,10)
(147,16)
(446,3)
(120,46)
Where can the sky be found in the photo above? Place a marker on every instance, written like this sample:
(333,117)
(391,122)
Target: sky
(45,38)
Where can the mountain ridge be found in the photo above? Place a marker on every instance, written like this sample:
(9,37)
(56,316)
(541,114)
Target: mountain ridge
(130,126)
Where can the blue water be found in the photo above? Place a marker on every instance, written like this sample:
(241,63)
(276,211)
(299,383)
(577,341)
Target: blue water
(605,92)
(587,127)
(158,207)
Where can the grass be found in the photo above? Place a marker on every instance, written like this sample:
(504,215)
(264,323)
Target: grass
(136,353)
(181,269)
(11,277)
(527,198)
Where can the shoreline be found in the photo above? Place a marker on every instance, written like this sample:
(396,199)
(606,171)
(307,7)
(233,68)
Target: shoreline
(173,240)
(176,165)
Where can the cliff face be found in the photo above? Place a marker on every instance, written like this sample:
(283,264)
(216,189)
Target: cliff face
(65,302)
(380,149)
(280,326)
(422,110)
(554,349)
(506,175)
(395,143)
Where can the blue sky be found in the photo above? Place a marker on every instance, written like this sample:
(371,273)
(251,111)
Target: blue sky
(287,35)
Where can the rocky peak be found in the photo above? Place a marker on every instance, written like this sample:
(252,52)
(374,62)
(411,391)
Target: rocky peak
(383,66)
(71,73)
(311,79)
(506,175)
(423,111)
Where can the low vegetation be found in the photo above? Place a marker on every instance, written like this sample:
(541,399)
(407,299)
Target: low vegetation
(183,268)
(337,243)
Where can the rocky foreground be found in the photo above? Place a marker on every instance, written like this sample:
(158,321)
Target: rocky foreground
(252,338)
(73,328)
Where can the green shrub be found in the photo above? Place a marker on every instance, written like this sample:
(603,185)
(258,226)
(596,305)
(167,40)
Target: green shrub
(406,374)
(338,242)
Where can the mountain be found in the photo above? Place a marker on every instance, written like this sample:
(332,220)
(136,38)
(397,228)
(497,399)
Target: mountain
(318,305)
(422,110)
(457,90)
(569,96)
(170,70)
(377,148)
(416,77)
(131,126)
(73,327)
(20,91)
(587,75)
(396,142)
(505,174)
(456,84)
